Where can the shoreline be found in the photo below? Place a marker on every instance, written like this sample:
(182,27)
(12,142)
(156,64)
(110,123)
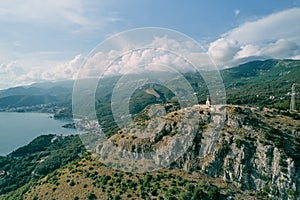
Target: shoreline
(13,132)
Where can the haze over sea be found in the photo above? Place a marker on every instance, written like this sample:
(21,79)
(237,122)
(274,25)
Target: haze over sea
(18,129)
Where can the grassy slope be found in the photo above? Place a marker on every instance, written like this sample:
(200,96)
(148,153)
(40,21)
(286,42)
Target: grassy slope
(87,176)
(37,159)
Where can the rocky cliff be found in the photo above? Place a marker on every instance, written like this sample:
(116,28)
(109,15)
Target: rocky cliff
(254,149)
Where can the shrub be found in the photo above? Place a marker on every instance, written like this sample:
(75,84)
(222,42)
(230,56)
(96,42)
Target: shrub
(238,143)
(91,196)
(154,192)
(186,196)
(283,162)
(243,161)
(213,193)
(190,187)
(267,136)
(291,193)
(105,179)
(278,142)
(198,194)
(72,183)
(298,128)
(148,177)
(224,149)
(117,197)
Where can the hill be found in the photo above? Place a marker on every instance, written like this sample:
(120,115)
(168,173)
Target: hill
(262,83)
(40,157)
(265,83)
(255,155)
(39,97)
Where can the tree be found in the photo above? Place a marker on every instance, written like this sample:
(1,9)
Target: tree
(91,196)
(198,194)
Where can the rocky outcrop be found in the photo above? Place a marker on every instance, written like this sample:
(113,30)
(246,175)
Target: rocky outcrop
(239,146)
(246,158)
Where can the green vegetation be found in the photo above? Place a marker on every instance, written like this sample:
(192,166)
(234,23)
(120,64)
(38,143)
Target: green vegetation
(91,196)
(106,183)
(40,157)
(292,194)
(26,100)
(51,164)
(238,143)
(47,156)
(65,113)
(298,128)
(287,143)
(253,83)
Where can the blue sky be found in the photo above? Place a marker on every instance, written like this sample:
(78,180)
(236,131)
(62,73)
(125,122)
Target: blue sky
(40,39)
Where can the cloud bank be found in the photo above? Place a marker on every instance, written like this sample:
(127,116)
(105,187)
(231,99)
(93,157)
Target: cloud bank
(273,36)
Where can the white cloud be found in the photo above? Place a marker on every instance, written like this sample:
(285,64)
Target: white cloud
(281,49)
(273,36)
(161,53)
(24,72)
(39,37)
(247,51)
(284,24)
(41,10)
(64,71)
(135,61)
(62,14)
(10,73)
(223,49)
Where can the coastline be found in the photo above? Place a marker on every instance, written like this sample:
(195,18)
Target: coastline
(33,124)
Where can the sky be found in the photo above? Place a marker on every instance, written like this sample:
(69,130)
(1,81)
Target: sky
(49,40)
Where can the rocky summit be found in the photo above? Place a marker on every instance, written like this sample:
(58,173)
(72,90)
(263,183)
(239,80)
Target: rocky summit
(242,152)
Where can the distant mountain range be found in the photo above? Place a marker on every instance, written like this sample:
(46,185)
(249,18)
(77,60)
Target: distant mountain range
(36,96)
(259,83)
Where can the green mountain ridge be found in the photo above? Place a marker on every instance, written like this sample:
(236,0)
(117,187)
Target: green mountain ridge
(26,100)
(255,156)
(251,83)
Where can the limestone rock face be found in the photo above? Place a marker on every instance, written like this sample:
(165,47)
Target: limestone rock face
(253,149)
(245,157)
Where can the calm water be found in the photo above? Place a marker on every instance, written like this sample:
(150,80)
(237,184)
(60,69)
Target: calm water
(18,129)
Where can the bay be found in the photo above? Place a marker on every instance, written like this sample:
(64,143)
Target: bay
(18,129)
